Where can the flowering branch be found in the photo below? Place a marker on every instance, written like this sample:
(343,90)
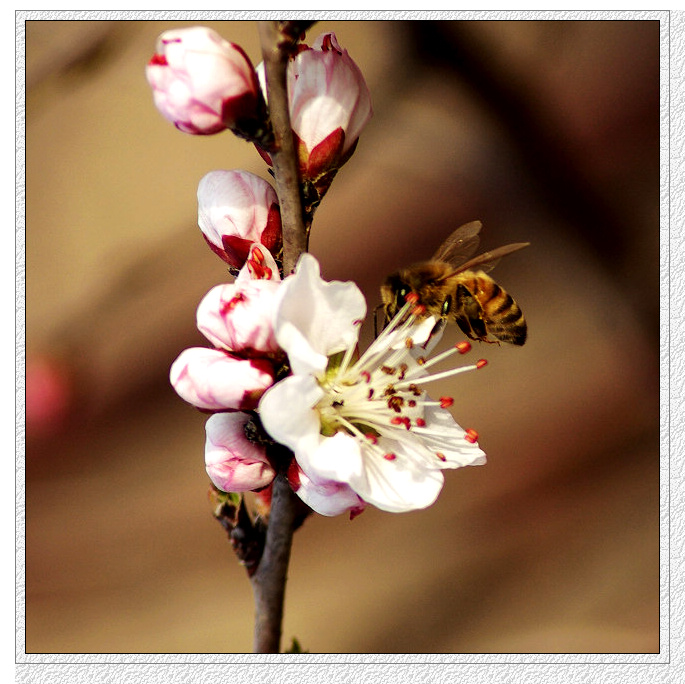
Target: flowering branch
(277,45)
(268,582)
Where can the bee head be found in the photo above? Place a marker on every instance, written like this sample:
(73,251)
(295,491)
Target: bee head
(394,292)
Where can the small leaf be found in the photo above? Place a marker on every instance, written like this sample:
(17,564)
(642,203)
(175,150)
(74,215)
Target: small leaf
(296,647)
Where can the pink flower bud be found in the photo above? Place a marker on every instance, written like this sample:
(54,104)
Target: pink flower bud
(329,106)
(238,317)
(202,83)
(214,380)
(234,463)
(235,210)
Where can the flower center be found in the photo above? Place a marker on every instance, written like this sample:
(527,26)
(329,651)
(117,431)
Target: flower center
(381,394)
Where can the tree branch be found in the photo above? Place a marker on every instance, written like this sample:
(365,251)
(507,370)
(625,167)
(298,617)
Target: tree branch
(277,45)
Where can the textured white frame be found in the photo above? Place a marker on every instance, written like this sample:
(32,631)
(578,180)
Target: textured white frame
(399,668)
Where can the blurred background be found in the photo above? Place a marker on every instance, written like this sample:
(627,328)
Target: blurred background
(548,132)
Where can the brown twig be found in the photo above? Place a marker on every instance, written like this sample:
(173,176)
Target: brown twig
(268,582)
(276,48)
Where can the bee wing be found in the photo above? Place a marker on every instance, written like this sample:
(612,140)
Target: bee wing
(460,245)
(488,260)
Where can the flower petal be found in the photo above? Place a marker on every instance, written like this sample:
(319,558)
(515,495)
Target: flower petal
(327,497)
(238,317)
(337,458)
(234,463)
(212,379)
(315,319)
(288,415)
(458,452)
(398,485)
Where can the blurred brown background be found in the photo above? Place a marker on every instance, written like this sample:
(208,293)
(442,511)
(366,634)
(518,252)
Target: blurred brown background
(547,131)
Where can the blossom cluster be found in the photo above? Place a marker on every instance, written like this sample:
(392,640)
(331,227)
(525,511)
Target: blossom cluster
(284,365)
(362,428)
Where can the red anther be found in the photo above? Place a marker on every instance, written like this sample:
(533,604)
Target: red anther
(441,456)
(367,377)
(258,255)
(463,347)
(418,310)
(371,437)
(446,402)
(401,420)
(412,298)
(480,363)
(389,457)
(411,403)
(409,343)
(471,436)
(420,422)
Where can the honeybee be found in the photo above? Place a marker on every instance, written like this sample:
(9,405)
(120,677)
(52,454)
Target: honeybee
(456,288)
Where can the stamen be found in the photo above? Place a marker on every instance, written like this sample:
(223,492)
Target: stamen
(446,402)
(461,348)
(389,457)
(481,363)
(438,376)
(441,456)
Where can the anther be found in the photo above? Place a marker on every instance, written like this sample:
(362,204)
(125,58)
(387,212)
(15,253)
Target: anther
(471,436)
(409,343)
(395,403)
(463,347)
(411,298)
(367,377)
(258,255)
(371,437)
(481,363)
(441,456)
(389,457)
(419,310)
(446,402)
(420,422)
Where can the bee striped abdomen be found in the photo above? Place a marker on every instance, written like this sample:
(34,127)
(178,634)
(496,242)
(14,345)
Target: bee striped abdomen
(499,311)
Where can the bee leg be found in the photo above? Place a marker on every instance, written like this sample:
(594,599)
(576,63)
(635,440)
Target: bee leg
(470,315)
(465,327)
